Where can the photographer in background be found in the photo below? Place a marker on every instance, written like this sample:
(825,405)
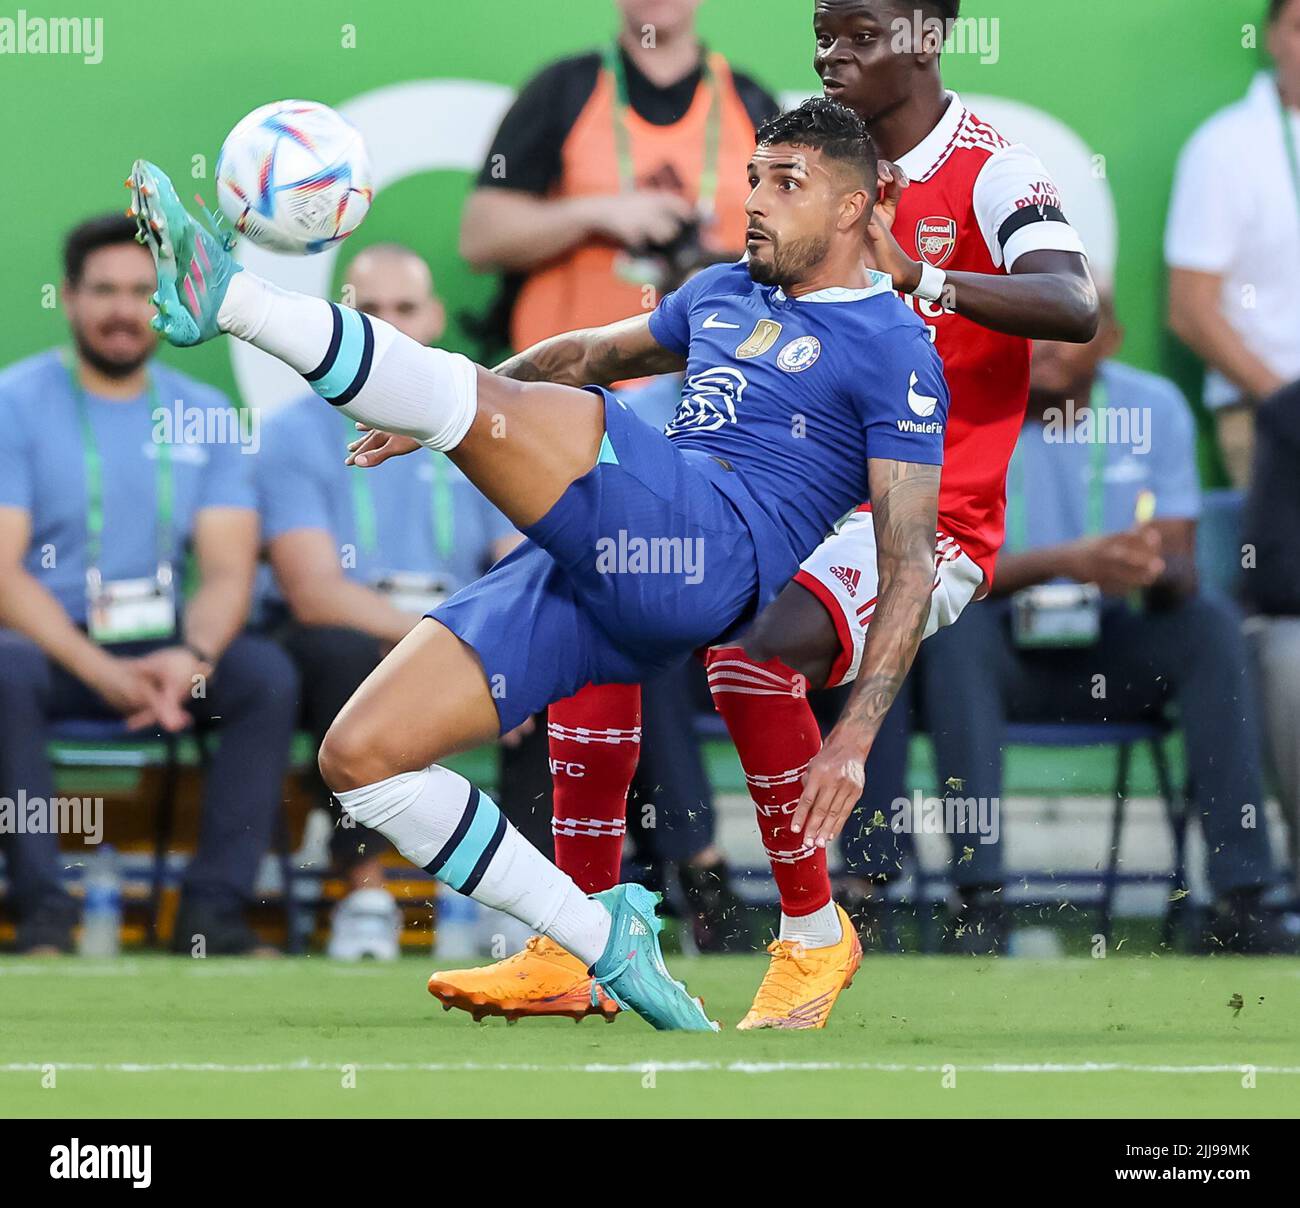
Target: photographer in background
(611,170)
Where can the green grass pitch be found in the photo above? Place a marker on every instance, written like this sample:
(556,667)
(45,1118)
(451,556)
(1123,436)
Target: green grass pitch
(1129,1035)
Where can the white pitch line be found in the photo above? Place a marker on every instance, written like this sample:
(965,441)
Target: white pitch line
(670,1067)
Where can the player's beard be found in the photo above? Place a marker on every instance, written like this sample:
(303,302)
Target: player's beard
(791,262)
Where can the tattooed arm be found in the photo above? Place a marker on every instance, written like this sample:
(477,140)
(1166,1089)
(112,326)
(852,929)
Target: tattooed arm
(904,504)
(598,356)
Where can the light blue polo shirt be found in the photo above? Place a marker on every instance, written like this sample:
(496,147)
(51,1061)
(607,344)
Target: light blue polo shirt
(1145,440)
(43,470)
(428,517)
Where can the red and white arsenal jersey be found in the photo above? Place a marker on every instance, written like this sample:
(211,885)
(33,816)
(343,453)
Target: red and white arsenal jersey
(976,203)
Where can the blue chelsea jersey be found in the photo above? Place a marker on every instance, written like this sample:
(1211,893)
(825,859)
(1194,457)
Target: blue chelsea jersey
(795,394)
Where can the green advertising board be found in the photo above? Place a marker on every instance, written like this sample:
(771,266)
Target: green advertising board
(1121,83)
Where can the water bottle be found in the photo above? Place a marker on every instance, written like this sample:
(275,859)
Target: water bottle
(101,919)
(455,934)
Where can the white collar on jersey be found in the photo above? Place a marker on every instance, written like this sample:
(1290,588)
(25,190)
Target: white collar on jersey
(881,283)
(919,162)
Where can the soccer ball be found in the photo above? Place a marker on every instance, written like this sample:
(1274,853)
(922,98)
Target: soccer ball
(294,177)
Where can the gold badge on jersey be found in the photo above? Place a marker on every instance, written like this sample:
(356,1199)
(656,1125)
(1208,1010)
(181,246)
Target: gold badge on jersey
(760,340)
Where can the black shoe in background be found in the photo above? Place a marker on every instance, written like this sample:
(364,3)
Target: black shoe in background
(979,926)
(1243,924)
(47,926)
(719,920)
(222,926)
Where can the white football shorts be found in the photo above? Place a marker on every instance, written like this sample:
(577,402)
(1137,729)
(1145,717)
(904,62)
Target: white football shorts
(841,573)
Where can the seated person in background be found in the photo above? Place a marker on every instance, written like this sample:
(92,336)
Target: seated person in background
(113,467)
(358,558)
(1096,616)
(1271,587)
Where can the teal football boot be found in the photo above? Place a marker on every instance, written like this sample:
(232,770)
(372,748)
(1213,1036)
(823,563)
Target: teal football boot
(194,263)
(631,969)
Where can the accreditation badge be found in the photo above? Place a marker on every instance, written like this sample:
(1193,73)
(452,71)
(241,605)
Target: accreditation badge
(1056,615)
(130,610)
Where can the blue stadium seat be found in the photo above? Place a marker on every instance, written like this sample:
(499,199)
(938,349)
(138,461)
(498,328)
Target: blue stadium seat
(1123,736)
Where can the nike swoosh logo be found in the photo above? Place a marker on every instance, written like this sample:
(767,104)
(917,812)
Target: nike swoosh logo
(921,404)
(714,321)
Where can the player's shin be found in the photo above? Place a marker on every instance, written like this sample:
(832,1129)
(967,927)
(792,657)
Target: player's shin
(363,366)
(595,739)
(765,706)
(443,824)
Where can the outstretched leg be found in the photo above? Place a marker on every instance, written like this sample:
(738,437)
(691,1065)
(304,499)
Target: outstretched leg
(431,696)
(521,444)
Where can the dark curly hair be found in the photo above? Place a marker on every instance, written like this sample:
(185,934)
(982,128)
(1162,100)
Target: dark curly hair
(829,127)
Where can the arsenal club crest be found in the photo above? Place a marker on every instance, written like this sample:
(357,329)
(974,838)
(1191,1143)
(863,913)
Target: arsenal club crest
(936,239)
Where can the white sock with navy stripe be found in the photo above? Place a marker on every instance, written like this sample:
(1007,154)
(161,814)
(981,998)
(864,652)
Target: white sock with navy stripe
(363,366)
(441,822)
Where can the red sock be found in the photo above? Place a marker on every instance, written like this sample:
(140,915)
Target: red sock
(765,706)
(595,739)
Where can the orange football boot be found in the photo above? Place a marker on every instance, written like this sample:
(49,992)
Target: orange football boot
(802,984)
(540,979)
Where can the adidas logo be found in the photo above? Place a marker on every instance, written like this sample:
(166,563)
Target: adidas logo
(637,927)
(849,577)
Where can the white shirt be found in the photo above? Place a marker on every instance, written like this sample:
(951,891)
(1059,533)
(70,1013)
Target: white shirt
(1235,212)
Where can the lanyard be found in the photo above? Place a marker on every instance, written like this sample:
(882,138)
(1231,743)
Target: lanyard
(1017,515)
(442,506)
(1288,140)
(623,135)
(164,488)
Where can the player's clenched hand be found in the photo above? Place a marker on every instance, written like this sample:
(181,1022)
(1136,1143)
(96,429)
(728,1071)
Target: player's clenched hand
(888,255)
(376,447)
(831,789)
(892,181)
